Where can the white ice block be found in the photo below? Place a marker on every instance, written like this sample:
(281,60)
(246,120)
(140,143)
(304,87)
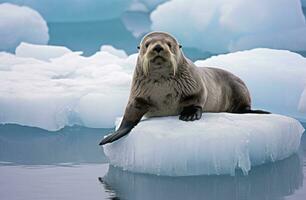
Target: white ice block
(219,143)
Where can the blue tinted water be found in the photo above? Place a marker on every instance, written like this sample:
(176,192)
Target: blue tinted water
(69,164)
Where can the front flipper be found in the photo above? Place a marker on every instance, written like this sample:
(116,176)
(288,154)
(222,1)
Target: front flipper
(134,111)
(116,135)
(191,113)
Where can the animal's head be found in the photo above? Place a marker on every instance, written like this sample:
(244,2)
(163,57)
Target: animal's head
(159,52)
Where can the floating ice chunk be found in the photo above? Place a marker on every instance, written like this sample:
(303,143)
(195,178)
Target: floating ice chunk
(66,90)
(219,143)
(21,24)
(275,78)
(40,52)
(223,25)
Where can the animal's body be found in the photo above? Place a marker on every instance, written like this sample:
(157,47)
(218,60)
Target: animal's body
(166,83)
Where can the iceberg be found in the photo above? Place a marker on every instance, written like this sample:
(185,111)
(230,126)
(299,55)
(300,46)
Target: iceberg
(231,25)
(218,143)
(66,90)
(21,24)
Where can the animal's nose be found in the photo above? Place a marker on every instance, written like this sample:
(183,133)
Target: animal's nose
(158,48)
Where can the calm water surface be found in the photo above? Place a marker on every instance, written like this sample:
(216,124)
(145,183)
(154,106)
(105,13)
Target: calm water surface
(68,164)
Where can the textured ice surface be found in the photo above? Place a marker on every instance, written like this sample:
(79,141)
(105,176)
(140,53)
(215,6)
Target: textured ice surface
(219,143)
(42,90)
(21,24)
(219,26)
(276,79)
(66,90)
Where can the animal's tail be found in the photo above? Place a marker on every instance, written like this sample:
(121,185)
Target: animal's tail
(248,110)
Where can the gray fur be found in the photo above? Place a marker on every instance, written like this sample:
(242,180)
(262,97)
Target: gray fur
(167,83)
(213,89)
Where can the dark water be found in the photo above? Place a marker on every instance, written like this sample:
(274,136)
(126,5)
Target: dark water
(68,164)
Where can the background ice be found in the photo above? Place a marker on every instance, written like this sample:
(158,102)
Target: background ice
(223,25)
(67,90)
(219,143)
(21,24)
(275,78)
(92,91)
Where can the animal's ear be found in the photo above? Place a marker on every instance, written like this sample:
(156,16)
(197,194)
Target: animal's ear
(180,46)
(138,47)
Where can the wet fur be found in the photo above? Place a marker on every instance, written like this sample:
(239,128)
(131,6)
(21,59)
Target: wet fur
(178,87)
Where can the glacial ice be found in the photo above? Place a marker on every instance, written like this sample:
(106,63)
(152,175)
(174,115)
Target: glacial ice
(231,25)
(219,143)
(92,91)
(21,24)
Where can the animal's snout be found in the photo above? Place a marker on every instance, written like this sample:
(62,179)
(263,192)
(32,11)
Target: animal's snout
(158,48)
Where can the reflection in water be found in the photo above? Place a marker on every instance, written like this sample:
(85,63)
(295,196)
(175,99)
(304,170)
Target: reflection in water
(270,181)
(34,146)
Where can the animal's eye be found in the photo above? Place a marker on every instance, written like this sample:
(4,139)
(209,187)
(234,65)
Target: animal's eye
(169,44)
(147,44)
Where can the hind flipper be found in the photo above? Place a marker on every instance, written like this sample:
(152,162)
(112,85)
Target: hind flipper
(248,110)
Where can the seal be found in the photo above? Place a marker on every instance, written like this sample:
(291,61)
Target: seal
(167,83)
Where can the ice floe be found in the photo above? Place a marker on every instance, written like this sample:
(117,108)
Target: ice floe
(219,143)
